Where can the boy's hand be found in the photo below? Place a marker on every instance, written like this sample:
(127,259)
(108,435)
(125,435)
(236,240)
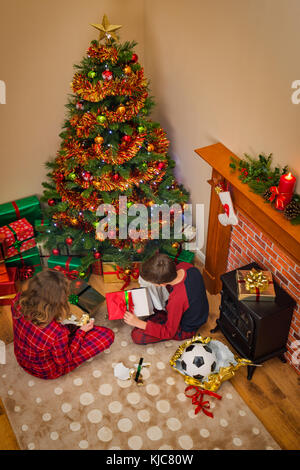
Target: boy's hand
(132,320)
(88,326)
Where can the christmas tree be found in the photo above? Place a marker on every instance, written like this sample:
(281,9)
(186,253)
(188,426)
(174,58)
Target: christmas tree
(110,148)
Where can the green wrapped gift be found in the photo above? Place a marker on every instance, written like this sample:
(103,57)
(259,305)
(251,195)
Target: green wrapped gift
(28,208)
(70,266)
(180,256)
(27,261)
(40,225)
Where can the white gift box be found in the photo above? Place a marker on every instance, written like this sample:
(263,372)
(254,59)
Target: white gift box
(141,299)
(159,294)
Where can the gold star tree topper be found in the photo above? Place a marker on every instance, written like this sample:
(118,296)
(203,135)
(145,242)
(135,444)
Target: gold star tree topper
(107,30)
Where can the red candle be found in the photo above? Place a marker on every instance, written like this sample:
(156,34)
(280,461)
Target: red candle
(287,184)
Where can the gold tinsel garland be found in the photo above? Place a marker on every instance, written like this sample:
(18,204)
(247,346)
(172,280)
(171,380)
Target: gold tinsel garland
(133,84)
(103,53)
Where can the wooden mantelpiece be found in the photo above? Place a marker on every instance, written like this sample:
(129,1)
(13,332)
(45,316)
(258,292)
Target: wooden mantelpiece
(272,222)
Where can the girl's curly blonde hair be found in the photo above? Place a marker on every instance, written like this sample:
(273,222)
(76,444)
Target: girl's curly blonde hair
(46,298)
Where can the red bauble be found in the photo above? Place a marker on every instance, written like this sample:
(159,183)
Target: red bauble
(161,165)
(60,177)
(87,175)
(55,251)
(69,241)
(134,58)
(51,202)
(107,75)
(116,176)
(127,138)
(97,255)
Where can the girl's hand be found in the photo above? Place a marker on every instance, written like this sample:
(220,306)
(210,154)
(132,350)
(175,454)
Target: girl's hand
(132,320)
(88,326)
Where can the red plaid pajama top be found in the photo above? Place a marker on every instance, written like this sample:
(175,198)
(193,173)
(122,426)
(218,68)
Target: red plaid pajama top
(50,352)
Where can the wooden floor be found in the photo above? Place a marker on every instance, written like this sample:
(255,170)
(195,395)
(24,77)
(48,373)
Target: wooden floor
(272,394)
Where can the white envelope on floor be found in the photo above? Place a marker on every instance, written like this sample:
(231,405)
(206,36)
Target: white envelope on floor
(142,302)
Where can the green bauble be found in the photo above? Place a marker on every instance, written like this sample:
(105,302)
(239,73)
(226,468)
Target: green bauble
(101,118)
(141,129)
(72,176)
(92,74)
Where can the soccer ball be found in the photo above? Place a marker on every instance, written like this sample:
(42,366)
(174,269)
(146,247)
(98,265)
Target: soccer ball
(198,361)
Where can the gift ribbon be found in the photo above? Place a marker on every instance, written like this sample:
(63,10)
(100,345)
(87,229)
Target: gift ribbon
(73,274)
(255,282)
(17,210)
(74,299)
(17,243)
(281,199)
(197,399)
(126,277)
(27,272)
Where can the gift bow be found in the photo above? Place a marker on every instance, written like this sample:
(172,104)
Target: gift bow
(26,272)
(255,281)
(281,199)
(197,399)
(70,274)
(126,277)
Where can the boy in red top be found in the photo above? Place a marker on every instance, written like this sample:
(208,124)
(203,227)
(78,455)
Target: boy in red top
(187,306)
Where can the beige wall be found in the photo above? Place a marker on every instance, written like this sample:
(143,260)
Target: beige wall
(220,70)
(40,40)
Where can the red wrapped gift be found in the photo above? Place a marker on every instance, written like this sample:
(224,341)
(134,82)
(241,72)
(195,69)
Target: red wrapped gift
(117,304)
(8,289)
(3,271)
(19,237)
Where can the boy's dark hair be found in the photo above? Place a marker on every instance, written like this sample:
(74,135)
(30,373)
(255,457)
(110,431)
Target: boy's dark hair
(159,269)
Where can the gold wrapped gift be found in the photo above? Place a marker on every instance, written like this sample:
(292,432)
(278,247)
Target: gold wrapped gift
(110,272)
(114,273)
(255,285)
(214,380)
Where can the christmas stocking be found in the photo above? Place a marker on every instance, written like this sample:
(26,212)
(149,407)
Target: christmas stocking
(229,217)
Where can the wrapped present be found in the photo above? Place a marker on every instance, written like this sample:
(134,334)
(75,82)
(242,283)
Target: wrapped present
(136,301)
(70,266)
(19,237)
(28,207)
(255,285)
(114,273)
(40,225)
(85,296)
(28,263)
(97,267)
(3,271)
(8,290)
(179,255)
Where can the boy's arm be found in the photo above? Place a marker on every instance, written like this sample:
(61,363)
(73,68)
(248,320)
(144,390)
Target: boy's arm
(175,308)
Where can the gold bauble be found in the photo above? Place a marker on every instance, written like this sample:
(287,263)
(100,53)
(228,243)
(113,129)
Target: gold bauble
(175,245)
(121,109)
(150,148)
(127,70)
(127,271)
(99,139)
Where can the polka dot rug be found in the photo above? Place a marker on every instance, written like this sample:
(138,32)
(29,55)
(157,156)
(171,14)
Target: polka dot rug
(90,409)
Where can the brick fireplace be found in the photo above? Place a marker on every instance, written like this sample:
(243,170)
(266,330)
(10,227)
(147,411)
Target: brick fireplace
(262,235)
(249,243)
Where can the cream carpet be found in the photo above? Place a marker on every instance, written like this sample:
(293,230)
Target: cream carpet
(90,409)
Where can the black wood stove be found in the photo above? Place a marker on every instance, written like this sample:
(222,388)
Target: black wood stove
(257,330)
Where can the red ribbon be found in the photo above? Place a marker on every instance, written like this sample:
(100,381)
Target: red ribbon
(281,199)
(17,211)
(134,273)
(73,274)
(197,399)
